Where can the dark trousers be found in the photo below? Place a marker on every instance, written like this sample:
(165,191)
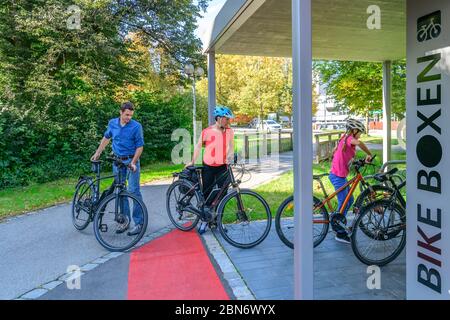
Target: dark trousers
(212,176)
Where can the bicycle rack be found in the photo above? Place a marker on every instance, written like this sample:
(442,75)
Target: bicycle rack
(385,166)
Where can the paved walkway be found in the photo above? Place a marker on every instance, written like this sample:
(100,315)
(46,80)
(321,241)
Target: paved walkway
(267,269)
(36,249)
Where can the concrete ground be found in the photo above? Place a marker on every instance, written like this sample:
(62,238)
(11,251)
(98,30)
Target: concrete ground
(37,249)
(268,271)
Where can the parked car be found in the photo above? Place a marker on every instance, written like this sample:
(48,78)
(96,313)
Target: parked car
(266,125)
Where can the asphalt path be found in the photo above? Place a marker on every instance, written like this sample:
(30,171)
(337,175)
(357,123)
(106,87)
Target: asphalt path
(37,248)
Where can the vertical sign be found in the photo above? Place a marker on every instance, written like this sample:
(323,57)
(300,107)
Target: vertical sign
(428,149)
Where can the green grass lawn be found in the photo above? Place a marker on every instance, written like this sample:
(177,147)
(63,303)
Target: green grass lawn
(15,201)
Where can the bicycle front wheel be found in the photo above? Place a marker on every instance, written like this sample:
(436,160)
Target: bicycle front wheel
(116,218)
(82,204)
(284,222)
(379,233)
(244,218)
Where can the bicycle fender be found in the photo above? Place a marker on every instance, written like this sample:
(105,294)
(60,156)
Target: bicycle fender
(82,179)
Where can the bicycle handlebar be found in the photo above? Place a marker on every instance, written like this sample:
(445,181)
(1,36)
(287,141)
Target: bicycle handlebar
(118,161)
(358,164)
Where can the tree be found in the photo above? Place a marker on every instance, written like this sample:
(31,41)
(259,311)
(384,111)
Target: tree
(357,86)
(42,58)
(254,86)
(60,86)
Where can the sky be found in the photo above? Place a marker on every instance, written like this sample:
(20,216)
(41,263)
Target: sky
(204,24)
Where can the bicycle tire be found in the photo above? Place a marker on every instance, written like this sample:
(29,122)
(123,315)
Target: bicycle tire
(99,216)
(175,220)
(224,227)
(435,31)
(286,239)
(422,35)
(78,223)
(359,222)
(364,197)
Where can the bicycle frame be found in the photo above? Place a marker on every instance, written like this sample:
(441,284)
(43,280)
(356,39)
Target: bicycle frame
(218,196)
(95,183)
(327,201)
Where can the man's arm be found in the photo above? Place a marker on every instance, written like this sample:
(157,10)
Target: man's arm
(136,157)
(139,140)
(101,147)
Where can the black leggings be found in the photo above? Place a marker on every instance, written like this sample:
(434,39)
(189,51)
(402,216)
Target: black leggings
(212,176)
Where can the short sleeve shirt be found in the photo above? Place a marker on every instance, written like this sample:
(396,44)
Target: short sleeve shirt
(216,143)
(126,139)
(341,158)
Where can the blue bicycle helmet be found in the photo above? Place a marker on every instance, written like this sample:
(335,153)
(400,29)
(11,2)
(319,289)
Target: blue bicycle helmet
(221,111)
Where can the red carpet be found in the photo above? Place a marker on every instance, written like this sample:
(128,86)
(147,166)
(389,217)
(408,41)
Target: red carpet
(174,267)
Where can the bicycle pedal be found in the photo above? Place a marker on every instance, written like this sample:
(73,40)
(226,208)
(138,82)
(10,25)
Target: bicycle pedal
(103,228)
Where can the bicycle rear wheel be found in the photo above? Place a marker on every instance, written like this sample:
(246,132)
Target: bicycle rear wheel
(180,195)
(379,233)
(82,204)
(116,213)
(284,222)
(244,218)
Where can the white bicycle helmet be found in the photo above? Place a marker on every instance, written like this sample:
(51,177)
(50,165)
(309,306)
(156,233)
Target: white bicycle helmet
(355,124)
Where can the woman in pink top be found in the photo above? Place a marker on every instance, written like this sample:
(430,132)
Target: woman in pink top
(340,167)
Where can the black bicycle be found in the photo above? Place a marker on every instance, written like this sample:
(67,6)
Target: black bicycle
(379,232)
(242,216)
(110,211)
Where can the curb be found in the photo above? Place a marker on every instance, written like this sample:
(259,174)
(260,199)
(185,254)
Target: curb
(230,273)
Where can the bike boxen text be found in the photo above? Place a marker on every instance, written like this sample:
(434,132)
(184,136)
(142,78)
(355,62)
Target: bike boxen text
(429,154)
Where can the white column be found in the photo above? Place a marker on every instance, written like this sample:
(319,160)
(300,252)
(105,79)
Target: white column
(303,152)
(211,86)
(387,89)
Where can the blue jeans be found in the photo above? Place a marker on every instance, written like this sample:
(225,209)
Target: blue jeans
(134,188)
(338,182)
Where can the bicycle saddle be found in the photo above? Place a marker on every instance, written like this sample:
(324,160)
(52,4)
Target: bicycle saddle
(382,177)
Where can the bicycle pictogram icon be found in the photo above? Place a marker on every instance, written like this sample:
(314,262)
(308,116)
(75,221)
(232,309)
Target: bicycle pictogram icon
(429,27)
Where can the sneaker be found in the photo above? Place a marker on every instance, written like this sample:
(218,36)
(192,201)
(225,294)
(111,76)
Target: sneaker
(202,228)
(124,224)
(136,230)
(344,238)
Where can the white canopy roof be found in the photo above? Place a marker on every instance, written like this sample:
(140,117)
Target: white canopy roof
(340,31)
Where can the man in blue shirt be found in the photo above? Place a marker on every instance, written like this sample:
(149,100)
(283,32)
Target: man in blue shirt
(128,144)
